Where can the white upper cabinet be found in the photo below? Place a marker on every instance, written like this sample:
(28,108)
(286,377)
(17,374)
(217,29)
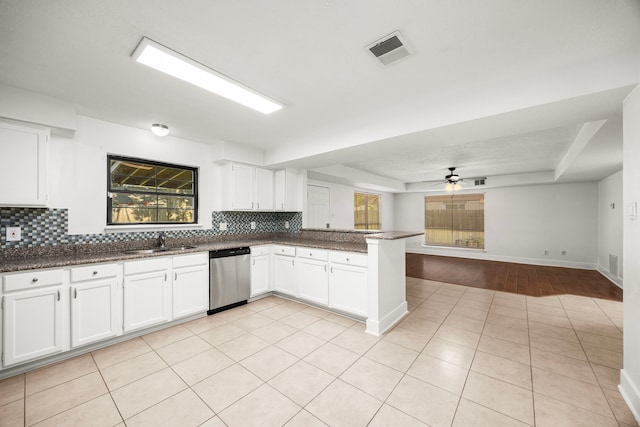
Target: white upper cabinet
(247,188)
(285,190)
(23,165)
(264,189)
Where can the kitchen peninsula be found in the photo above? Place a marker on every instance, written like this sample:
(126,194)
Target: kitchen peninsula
(378,292)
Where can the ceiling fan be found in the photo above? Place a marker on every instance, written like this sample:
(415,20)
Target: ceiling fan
(453,181)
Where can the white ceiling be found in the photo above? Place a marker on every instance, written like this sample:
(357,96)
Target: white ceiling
(495,87)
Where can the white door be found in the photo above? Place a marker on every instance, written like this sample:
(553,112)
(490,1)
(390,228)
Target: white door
(264,189)
(259,275)
(190,290)
(284,277)
(318,215)
(348,289)
(313,281)
(242,186)
(32,324)
(94,311)
(146,300)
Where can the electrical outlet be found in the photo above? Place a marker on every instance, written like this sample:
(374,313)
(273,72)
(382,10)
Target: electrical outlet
(223,226)
(564,252)
(253,225)
(14,234)
(546,251)
(286,224)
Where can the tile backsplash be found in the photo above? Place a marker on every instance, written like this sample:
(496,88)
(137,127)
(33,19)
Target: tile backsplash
(49,227)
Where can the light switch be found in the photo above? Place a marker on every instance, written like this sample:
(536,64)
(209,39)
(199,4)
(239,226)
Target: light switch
(632,210)
(14,234)
(253,225)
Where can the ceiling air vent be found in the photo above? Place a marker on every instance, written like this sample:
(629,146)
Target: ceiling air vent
(390,48)
(479,181)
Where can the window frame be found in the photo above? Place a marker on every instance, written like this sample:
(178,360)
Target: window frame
(367,223)
(481,244)
(110,191)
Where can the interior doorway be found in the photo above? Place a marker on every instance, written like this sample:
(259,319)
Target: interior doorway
(318,207)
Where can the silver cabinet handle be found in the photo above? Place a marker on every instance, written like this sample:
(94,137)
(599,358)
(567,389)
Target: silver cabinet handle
(58,295)
(325,268)
(332,269)
(165,277)
(347,259)
(75,293)
(95,272)
(175,276)
(293,262)
(254,261)
(257,205)
(34,280)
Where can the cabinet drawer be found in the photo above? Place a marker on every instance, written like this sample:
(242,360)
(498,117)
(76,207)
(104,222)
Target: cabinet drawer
(319,254)
(260,250)
(284,250)
(191,259)
(349,258)
(97,271)
(146,265)
(32,279)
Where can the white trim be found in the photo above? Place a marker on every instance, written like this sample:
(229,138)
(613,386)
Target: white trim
(483,255)
(615,280)
(630,394)
(379,327)
(149,227)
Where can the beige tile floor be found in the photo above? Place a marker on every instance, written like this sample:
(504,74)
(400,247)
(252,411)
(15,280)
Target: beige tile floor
(462,357)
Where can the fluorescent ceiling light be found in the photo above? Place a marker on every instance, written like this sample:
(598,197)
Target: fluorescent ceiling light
(179,66)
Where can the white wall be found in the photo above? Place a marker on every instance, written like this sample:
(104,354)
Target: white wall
(341,201)
(521,222)
(610,225)
(78,169)
(630,374)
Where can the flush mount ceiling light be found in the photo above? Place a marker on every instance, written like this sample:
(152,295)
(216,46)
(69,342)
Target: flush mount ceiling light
(179,66)
(160,129)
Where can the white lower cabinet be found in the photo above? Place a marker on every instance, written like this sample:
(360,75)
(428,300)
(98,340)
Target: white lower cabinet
(33,315)
(260,270)
(284,269)
(348,289)
(190,284)
(147,293)
(313,275)
(348,286)
(96,309)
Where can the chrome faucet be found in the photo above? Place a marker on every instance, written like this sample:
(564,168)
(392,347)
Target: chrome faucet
(162,240)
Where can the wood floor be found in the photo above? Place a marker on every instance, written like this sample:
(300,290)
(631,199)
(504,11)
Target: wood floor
(532,280)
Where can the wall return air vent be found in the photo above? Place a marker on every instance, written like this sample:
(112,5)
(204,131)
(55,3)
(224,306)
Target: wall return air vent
(390,49)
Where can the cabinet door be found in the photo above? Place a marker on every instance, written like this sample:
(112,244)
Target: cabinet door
(313,281)
(348,289)
(264,189)
(94,311)
(284,278)
(259,275)
(32,324)
(146,300)
(279,190)
(190,290)
(242,183)
(23,165)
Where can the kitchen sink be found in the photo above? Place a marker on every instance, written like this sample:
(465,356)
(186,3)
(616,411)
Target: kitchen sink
(156,250)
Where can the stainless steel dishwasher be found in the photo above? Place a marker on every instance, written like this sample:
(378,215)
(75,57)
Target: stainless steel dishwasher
(229,278)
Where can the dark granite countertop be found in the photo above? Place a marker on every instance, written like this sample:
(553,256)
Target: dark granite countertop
(70,255)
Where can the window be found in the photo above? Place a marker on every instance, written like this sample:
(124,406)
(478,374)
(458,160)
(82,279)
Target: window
(366,211)
(454,220)
(145,192)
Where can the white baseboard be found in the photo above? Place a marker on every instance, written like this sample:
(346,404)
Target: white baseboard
(630,393)
(379,327)
(616,280)
(483,255)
